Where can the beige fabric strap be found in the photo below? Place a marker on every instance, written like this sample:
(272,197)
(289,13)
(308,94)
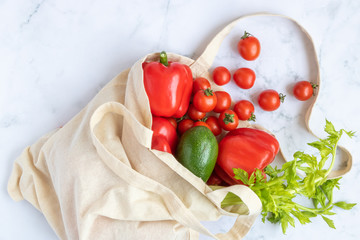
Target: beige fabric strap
(205,61)
(133,178)
(86,174)
(174,205)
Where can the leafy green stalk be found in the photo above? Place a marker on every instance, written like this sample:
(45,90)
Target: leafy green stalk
(278,192)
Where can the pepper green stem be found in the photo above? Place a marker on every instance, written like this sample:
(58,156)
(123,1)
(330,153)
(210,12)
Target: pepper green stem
(163,59)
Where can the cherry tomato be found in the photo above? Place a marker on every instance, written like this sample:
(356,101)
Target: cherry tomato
(184,125)
(201,123)
(223,101)
(200,83)
(249,47)
(245,110)
(204,100)
(270,100)
(221,75)
(195,114)
(214,125)
(244,78)
(228,120)
(303,90)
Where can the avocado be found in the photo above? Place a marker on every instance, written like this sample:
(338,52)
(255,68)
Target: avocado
(197,151)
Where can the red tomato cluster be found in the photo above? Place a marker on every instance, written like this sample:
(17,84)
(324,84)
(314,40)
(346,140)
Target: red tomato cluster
(209,108)
(204,102)
(178,102)
(269,99)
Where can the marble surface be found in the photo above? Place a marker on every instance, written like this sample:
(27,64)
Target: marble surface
(55,56)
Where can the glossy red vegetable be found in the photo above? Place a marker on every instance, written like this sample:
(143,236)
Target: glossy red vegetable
(200,83)
(215,180)
(248,149)
(249,47)
(304,90)
(184,125)
(225,177)
(195,114)
(205,100)
(245,110)
(269,100)
(244,78)
(184,105)
(164,135)
(172,121)
(228,120)
(223,101)
(167,86)
(201,123)
(221,75)
(160,143)
(214,125)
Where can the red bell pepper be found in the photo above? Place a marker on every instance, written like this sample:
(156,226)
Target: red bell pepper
(168,86)
(164,137)
(185,101)
(225,177)
(248,149)
(160,143)
(216,179)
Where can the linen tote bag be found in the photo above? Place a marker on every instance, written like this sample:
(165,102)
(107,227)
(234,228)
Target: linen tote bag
(97,177)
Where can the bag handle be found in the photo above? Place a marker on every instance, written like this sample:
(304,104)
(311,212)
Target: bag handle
(175,206)
(206,59)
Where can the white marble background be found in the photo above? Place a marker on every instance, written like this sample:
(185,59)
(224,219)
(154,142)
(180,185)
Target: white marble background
(55,56)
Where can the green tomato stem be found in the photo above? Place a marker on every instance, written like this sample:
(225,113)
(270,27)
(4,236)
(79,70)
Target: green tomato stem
(208,92)
(252,117)
(282,97)
(229,118)
(246,35)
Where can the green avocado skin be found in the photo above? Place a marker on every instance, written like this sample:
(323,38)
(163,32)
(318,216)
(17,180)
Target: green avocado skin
(197,150)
